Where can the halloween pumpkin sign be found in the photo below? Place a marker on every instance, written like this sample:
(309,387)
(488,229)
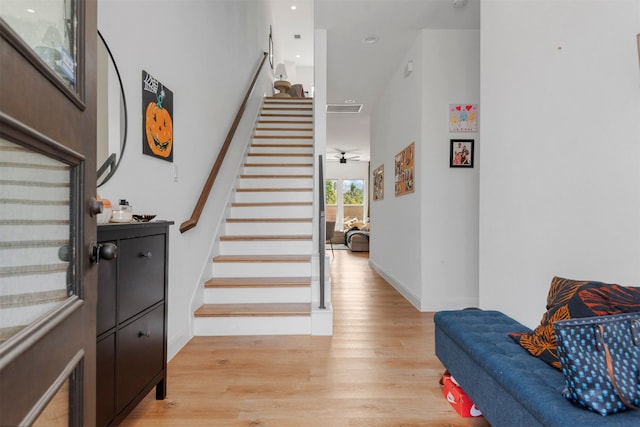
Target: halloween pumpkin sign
(157,118)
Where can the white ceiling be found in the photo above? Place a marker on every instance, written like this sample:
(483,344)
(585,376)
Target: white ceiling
(356,70)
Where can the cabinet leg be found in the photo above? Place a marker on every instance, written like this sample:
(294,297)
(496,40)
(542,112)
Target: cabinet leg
(161,389)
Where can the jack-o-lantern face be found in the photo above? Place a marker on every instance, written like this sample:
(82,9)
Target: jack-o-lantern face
(159,129)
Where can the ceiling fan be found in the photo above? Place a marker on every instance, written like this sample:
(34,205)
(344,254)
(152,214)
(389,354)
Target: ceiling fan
(342,157)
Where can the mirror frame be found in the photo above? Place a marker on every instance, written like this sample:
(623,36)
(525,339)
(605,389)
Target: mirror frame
(111,161)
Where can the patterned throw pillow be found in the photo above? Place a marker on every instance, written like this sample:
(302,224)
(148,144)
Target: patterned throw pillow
(570,299)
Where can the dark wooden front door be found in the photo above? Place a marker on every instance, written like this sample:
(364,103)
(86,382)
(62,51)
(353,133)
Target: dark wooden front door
(47,180)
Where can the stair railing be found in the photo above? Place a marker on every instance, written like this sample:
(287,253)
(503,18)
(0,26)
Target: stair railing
(204,195)
(322,229)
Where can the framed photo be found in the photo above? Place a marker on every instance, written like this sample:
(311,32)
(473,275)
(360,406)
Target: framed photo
(461,153)
(378,183)
(405,170)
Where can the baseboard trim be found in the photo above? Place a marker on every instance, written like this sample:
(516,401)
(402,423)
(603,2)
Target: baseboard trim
(402,289)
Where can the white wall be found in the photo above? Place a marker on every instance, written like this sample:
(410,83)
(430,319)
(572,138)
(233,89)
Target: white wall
(560,126)
(426,243)
(394,246)
(449,205)
(206,52)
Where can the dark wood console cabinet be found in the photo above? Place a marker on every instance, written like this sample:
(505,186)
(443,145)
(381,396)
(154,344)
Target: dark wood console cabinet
(132,318)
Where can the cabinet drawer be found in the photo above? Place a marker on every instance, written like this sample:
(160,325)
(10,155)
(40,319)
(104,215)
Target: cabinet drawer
(140,355)
(141,275)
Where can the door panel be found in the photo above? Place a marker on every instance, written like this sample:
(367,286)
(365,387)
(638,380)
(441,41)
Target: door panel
(47,360)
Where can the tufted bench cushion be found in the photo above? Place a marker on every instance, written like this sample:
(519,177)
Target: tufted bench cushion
(510,387)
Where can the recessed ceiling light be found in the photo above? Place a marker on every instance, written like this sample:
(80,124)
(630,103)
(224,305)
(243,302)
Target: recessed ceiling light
(297,56)
(31,11)
(350,101)
(370,39)
(294,7)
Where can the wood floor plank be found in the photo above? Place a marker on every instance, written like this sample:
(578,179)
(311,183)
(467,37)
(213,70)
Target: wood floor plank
(377,370)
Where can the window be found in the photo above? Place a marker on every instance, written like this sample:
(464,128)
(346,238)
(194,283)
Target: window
(345,200)
(353,199)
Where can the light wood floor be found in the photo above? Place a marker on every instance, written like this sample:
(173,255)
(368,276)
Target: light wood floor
(378,369)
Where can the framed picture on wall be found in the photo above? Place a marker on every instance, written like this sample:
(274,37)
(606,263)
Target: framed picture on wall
(638,36)
(461,153)
(378,183)
(157,118)
(405,170)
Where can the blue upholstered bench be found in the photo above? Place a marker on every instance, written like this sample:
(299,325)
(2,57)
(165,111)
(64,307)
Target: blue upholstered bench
(510,387)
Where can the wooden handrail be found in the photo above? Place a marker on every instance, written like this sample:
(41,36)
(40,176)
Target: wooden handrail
(197,211)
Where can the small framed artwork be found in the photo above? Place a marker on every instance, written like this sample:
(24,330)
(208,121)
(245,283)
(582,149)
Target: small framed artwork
(463,117)
(405,170)
(461,153)
(157,118)
(378,183)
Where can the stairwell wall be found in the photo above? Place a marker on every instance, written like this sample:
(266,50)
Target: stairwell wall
(206,53)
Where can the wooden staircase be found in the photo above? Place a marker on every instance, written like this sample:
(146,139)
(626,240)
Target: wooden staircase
(261,279)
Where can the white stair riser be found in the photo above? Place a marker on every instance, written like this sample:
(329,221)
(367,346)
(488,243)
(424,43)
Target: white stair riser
(284,131)
(273,196)
(266,269)
(276,140)
(271,247)
(257,295)
(229,326)
(279,158)
(284,149)
(289,124)
(280,182)
(275,228)
(287,110)
(305,211)
(277,170)
(279,117)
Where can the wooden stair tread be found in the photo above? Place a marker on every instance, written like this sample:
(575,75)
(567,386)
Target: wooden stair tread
(257,282)
(283,136)
(280,154)
(286,115)
(262,258)
(246,176)
(240,220)
(254,310)
(272,190)
(281,108)
(267,204)
(296,122)
(285,129)
(276,145)
(280,100)
(279,165)
(241,238)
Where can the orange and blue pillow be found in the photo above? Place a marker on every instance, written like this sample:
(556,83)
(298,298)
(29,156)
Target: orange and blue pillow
(570,299)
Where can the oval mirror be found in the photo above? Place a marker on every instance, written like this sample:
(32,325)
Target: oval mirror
(111,114)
